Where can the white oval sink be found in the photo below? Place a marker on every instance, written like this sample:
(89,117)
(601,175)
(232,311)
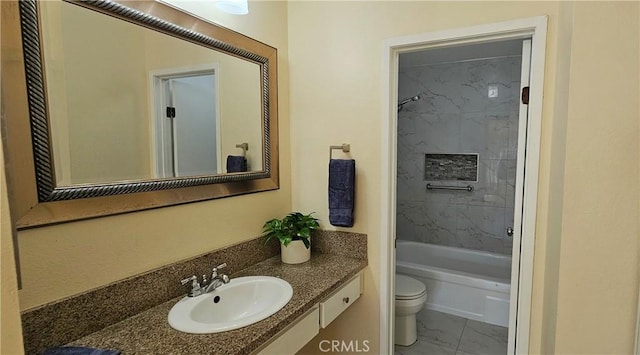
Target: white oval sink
(241,302)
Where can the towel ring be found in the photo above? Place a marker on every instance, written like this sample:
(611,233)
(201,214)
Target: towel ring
(244,147)
(344,147)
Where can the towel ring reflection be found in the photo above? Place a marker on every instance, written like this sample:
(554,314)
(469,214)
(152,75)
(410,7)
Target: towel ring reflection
(344,147)
(244,147)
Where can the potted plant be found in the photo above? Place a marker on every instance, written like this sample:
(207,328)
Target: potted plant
(294,234)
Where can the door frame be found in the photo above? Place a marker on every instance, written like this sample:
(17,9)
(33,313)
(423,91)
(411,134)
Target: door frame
(157,102)
(534,28)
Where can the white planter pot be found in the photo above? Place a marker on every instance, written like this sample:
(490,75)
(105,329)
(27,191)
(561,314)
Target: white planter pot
(295,252)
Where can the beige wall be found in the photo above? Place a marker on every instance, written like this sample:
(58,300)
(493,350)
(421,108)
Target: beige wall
(336,85)
(598,268)
(66,259)
(10,326)
(547,295)
(53,54)
(94,93)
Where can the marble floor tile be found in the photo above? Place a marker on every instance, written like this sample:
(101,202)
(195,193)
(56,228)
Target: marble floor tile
(440,328)
(422,347)
(481,338)
(445,334)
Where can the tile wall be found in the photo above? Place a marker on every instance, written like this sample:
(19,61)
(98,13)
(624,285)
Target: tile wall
(455,115)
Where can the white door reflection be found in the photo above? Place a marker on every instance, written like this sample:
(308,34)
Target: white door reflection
(187,129)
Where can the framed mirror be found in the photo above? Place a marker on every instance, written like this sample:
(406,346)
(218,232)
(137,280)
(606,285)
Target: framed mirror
(137,105)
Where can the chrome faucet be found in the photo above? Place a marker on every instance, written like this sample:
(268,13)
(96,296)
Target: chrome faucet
(196,289)
(206,286)
(216,280)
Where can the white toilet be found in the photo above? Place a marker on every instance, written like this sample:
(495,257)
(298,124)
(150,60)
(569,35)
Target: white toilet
(411,295)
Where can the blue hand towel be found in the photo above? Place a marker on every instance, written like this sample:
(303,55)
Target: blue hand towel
(342,179)
(236,164)
(78,350)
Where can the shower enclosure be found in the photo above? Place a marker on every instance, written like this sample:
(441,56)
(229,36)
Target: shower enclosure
(458,119)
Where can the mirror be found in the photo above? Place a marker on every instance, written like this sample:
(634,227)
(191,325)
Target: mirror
(135,98)
(130,103)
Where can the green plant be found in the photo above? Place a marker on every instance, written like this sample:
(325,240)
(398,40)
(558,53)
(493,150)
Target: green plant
(294,226)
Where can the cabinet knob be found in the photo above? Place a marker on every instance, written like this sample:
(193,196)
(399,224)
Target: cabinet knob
(345,300)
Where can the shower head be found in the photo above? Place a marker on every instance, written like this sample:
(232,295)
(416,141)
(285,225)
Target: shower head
(415,98)
(403,102)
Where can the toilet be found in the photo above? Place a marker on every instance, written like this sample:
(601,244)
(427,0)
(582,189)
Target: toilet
(411,295)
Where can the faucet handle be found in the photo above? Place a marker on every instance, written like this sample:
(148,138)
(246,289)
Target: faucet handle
(225,279)
(193,279)
(195,285)
(196,289)
(221,266)
(214,271)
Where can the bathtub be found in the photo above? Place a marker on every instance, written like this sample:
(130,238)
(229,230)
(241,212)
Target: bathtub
(467,283)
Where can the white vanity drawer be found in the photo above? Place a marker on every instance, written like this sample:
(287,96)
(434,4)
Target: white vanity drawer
(296,336)
(339,301)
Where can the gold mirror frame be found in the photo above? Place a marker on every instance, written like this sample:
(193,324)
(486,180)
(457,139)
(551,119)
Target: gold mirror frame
(36,199)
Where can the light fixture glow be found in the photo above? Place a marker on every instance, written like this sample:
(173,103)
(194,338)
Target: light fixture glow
(236,7)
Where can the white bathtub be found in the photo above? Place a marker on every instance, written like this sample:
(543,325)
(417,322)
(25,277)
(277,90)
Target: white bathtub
(467,283)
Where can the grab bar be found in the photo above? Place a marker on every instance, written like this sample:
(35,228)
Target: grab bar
(445,187)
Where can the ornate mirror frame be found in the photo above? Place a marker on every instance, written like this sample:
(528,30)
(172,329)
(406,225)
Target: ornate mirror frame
(36,199)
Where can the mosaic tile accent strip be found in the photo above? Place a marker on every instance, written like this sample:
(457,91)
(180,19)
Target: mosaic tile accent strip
(451,167)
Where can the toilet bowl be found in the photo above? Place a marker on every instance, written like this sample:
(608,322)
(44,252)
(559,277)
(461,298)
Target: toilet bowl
(411,295)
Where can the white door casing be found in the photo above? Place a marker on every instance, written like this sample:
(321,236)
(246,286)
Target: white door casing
(534,28)
(162,131)
(517,206)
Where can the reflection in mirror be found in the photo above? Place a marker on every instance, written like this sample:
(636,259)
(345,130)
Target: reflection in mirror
(82,169)
(128,103)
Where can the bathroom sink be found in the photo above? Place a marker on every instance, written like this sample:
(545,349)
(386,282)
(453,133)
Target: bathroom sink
(241,302)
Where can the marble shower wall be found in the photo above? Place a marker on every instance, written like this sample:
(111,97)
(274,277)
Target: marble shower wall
(455,115)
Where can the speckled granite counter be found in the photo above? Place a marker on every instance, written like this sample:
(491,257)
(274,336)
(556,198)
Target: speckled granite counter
(149,332)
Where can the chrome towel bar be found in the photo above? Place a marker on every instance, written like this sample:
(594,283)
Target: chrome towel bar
(447,187)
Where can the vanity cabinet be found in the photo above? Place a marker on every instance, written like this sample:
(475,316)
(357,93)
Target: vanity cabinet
(306,327)
(295,336)
(340,300)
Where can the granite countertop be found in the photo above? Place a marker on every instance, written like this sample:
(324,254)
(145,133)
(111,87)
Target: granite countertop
(149,332)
